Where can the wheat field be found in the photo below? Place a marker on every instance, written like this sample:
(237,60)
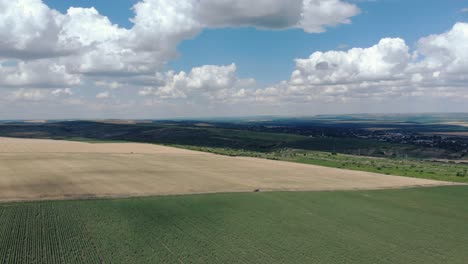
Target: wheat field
(36,169)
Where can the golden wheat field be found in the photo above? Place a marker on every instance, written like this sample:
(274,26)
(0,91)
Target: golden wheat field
(34,169)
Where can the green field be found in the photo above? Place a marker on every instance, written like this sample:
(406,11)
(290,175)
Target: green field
(426,225)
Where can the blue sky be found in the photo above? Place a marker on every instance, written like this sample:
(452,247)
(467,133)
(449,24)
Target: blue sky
(198,58)
(269,55)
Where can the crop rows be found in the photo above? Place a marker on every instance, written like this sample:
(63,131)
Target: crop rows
(41,233)
(422,225)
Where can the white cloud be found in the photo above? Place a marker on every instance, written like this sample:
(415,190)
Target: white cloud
(317,15)
(54,49)
(38,74)
(103,95)
(29,95)
(191,15)
(32,94)
(43,48)
(446,52)
(62,92)
(382,61)
(29,29)
(385,70)
(89,27)
(84,41)
(213,82)
(438,68)
(464,10)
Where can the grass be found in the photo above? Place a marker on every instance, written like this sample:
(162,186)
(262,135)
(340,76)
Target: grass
(401,167)
(426,225)
(92,140)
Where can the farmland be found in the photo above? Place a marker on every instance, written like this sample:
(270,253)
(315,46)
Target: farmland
(32,169)
(183,202)
(423,225)
(444,170)
(371,138)
(402,145)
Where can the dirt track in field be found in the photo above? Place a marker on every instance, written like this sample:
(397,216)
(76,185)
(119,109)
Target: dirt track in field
(32,169)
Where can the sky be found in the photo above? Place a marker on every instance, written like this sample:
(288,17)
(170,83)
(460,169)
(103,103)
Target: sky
(143,59)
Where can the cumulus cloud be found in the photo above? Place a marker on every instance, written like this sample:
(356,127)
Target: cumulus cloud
(82,44)
(447,51)
(38,74)
(379,62)
(439,68)
(317,15)
(310,15)
(206,82)
(30,29)
(43,48)
(82,47)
